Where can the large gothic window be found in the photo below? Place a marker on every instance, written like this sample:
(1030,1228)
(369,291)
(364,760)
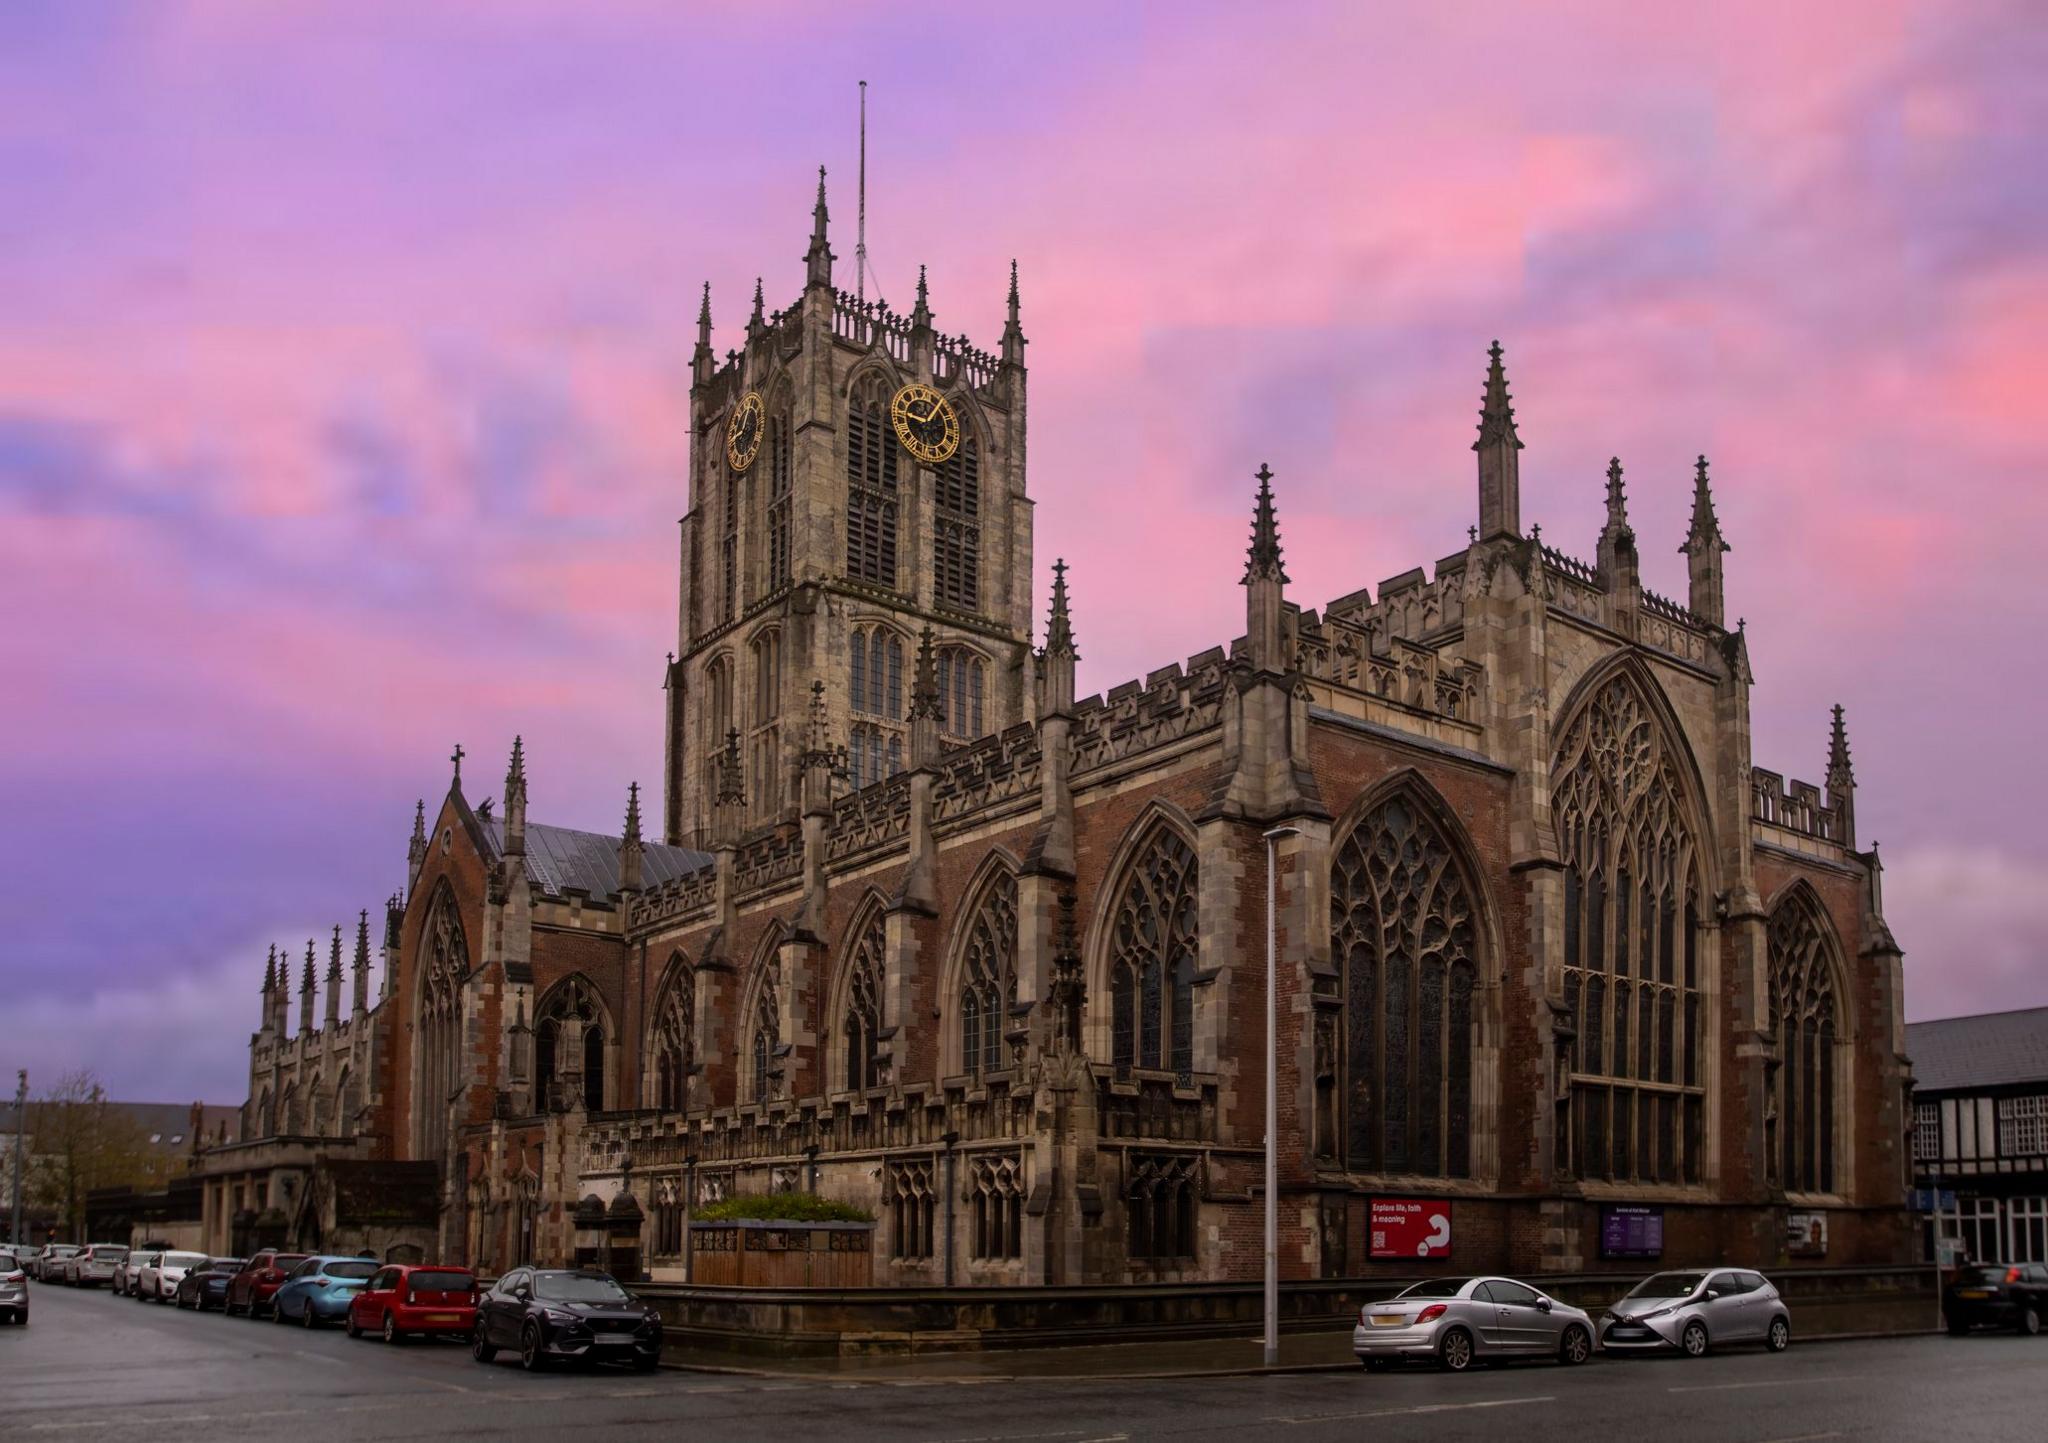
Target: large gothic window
(1806,1023)
(871,497)
(764,1037)
(444,963)
(569,1035)
(766,743)
(988,982)
(1632,966)
(1404,930)
(675,1032)
(875,674)
(862,1023)
(963,680)
(1152,959)
(956,528)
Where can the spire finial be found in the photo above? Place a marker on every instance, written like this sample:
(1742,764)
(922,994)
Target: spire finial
(419,820)
(270,971)
(1705,531)
(307,985)
(1617,498)
(515,771)
(759,318)
(334,956)
(1496,411)
(456,757)
(1059,626)
(1839,769)
(1263,555)
(632,812)
(1013,328)
(362,959)
(818,259)
(704,314)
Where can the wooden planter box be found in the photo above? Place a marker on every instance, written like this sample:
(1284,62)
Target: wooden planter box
(752,1253)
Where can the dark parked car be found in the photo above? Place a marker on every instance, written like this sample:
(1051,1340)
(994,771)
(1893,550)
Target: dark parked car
(251,1289)
(546,1314)
(2004,1295)
(408,1301)
(207,1287)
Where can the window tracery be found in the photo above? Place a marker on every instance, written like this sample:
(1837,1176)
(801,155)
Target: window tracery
(444,963)
(956,528)
(909,1194)
(779,528)
(871,494)
(861,1025)
(765,1037)
(1160,1206)
(1404,930)
(570,1033)
(995,1192)
(963,680)
(989,978)
(675,1031)
(1152,961)
(1806,1023)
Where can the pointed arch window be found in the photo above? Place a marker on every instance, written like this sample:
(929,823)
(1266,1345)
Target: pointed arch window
(765,745)
(861,1027)
(871,494)
(729,549)
(570,1032)
(1806,1021)
(444,964)
(956,528)
(1152,958)
(764,1038)
(675,1031)
(1404,931)
(1631,924)
(779,528)
(963,681)
(988,985)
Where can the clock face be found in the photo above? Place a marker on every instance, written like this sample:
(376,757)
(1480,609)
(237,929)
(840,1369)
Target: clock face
(925,423)
(743,432)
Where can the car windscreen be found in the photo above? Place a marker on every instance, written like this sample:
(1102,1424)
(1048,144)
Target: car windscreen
(1667,1285)
(449,1282)
(575,1288)
(350,1270)
(1436,1288)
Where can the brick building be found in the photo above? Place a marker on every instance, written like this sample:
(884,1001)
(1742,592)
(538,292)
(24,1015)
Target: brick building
(928,933)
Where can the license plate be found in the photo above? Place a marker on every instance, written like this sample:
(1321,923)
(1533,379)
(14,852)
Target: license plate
(444,1317)
(1381,1321)
(1974,1295)
(615,1338)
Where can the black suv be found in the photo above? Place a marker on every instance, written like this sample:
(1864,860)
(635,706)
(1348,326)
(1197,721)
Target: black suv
(2005,1295)
(545,1314)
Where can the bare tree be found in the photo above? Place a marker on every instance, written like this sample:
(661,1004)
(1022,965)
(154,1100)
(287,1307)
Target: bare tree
(80,1141)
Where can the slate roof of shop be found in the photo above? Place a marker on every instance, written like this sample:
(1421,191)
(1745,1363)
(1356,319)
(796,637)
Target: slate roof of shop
(1992,1049)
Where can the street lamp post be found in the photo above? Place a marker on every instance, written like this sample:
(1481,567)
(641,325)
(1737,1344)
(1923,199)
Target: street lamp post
(20,1139)
(1273,1092)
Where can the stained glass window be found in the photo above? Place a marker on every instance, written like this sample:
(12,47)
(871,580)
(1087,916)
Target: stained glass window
(1806,1020)
(989,978)
(863,1022)
(1152,945)
(674,1037)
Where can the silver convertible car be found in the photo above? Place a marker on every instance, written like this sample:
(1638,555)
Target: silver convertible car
(1689,1312)
(1455,1322)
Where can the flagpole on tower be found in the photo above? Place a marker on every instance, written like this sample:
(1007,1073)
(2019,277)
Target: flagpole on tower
(860,253)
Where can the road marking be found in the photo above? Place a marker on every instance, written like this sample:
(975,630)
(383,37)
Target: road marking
(1409,1412)
(1806,1438)
(1768,1383)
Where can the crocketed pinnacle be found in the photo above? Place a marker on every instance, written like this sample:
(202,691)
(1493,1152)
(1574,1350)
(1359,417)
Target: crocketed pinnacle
(334,957)
(419,821)
(307,985)
(515,770)
(362,962)
(819,218)
(759,317)
(1013,328)
(1496,411)
(1617,498)
(704,322)
(1839,770)
(1263,555)
(270,972)
(1705,532)
(632,812)
(1059,626)
(924,681)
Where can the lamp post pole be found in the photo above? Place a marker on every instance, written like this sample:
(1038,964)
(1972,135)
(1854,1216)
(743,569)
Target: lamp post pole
(1272,1308)
(20,1139)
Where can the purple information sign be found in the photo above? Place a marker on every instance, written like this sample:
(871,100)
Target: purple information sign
(1631,1232)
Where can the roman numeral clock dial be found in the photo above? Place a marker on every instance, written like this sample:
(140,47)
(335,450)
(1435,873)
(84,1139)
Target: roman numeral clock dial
(743,432)
(925,423)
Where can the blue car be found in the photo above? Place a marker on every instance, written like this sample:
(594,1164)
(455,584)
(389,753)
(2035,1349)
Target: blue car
(320,1290)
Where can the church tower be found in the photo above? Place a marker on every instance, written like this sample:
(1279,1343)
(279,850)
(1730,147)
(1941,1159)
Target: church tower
(855,477)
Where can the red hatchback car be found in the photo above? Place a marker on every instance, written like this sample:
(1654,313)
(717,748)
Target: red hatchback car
(407,1300)
(249,1290)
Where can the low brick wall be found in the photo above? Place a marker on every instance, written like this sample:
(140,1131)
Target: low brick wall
(845,1321)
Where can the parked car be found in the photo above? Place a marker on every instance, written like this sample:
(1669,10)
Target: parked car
(13,1288)
(250,1291)
(404,1301)
(122,1284)
(1456,1322)
(549,1314)
(320,1290)
(95,1265)
(157,1279)
(2004,1295)
(207,1287)
(1692,1310)
(27,1254)
(50,1262)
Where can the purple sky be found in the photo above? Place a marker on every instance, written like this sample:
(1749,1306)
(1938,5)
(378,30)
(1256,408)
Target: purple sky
(343,372)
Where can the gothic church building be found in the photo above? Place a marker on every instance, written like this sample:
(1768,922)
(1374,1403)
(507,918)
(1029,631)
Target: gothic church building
(925,932)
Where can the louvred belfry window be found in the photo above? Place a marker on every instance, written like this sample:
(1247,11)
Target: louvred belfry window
(1806,1022)
(989,979)
(956,538)
(1404,932)
(1152,961)
(1632,966)
(871,492)
(778,500)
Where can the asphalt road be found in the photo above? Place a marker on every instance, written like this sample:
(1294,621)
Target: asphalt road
(95,1366)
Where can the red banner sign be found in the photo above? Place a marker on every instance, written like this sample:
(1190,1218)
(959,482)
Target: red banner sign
(1410,1228)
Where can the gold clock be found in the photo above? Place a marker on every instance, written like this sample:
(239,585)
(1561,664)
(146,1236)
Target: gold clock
(743,432)
(925,423)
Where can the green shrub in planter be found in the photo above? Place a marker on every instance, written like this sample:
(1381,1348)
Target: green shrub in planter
(781,1207)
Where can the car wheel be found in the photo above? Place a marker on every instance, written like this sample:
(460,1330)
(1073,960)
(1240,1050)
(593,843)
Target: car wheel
(1780,1336)
(532,1356)
(1576,1346)
(391,1333)
(1454,1353)
(349,1325)
(307,1317)
(1693,1341)
(2028,1323)
(277,1313)
(480,1344)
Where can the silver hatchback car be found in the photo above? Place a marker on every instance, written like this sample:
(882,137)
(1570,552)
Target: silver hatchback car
(1455,1322)
(1691,1311)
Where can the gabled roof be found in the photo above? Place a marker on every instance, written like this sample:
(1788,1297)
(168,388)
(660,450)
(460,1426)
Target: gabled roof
(560,860)
(1991,1049)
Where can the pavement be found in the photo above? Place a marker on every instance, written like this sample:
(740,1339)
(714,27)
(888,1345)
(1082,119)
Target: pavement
(94,1366)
